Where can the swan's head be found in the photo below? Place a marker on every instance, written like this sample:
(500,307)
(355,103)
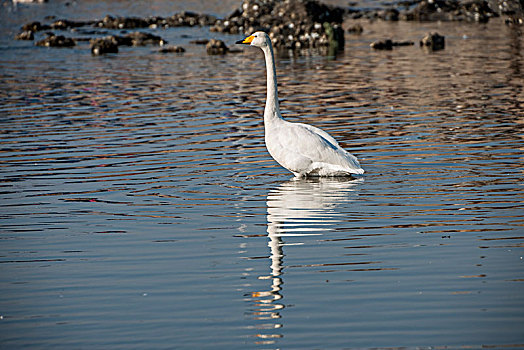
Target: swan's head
(258,39)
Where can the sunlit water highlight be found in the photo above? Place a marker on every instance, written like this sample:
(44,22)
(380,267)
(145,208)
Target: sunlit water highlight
(140,208)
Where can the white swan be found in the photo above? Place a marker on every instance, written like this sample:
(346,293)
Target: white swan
(303,149)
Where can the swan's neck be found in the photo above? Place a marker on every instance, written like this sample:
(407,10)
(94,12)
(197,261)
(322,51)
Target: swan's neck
(272,110)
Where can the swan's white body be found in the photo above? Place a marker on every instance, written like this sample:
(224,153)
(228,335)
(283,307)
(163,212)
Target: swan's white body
(303,149)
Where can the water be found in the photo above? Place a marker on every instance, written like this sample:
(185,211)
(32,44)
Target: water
(140,208)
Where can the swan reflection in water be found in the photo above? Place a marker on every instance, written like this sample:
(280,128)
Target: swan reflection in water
(297,208)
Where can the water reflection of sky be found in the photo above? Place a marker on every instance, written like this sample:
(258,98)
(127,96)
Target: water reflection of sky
(140,206)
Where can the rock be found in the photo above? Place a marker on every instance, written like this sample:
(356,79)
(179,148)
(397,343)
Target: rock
(142,39)
(105,45)
(25,35)
(56,41)
(172,49)
(216,47)
(382,45)
(291,24)
(188,19)
(450,10)
(433,41)
(388,44)
(122,23)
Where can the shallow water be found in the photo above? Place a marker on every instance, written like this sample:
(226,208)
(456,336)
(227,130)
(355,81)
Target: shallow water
(140,208)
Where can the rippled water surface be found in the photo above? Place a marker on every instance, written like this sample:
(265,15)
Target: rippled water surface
(140,208)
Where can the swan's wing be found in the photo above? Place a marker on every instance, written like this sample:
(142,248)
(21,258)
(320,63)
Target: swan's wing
(320,132)
(302,148)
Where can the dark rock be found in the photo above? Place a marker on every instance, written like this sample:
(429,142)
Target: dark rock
(56,41)
(388,44)
(433,41)
(25,35)
(102,46)
(216,47)
(382,45)
(172,49)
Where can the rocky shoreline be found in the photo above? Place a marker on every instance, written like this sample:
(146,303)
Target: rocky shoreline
(291,24)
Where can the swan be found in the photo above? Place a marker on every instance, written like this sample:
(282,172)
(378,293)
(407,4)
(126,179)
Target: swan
(303,149)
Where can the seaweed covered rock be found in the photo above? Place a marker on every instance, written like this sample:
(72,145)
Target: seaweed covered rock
(450,10)
(291,24)
(53,40)
(182,19)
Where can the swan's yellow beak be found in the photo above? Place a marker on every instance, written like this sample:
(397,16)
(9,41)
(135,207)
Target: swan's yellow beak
(246,41)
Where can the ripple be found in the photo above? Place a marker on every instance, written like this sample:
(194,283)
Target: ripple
(138,196)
